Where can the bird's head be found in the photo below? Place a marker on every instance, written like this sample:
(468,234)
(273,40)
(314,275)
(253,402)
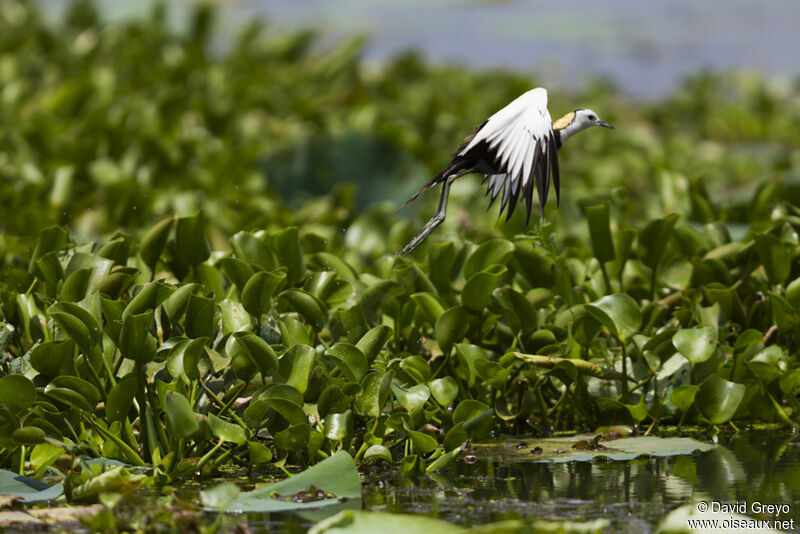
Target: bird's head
(575,121)
(586,118)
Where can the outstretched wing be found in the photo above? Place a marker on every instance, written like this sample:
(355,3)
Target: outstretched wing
(520,137)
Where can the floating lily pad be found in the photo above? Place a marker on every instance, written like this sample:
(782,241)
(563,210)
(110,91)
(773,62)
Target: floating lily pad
(28,490)
(335,479)
(588,447)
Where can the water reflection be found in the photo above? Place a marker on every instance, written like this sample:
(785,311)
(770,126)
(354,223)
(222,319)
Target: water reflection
(633,495)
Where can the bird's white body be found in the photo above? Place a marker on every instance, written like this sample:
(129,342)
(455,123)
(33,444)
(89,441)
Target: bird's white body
(514,132)
(514,149)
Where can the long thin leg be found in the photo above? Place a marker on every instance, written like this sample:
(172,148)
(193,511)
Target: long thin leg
(436,220)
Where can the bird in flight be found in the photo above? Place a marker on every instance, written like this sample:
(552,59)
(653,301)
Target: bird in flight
(514,148)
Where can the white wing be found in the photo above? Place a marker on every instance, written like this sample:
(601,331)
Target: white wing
(520,135)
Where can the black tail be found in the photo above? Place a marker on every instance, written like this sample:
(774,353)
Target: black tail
(456,164)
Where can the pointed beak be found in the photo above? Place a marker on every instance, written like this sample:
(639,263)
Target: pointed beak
(605,125)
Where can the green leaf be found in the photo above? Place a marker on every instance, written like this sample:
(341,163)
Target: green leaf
(654,237)
(28,435)
(469,358)
(190,240)
(76,285)
(493,251)
(309,308)
(775,256)
(259,289)
(377,452)
(477,292)
(120,398)
(423,443)
(258,351)
(350,360)
(54,358)
(413,398)
(338,425)
(444,461)
(234,317)
(253,250)
(444,390)
(515,308)
(619,313)
(199,320)
(51,239)
(296,365)
(431,305)
(696,344)
(27,489)
(80,386)
(79,324)
(181,422)
(375,391)
(336,475)
(17,393)
(258,453)
(451,327)
(600,232)
(475,417)
(184,358)
(683,397)
(135,340)
(717,399)
(373,341)
(226,431)
(237,270)
(289,252)
(152,244)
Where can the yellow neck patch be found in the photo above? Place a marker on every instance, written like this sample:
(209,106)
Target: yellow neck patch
(564,121)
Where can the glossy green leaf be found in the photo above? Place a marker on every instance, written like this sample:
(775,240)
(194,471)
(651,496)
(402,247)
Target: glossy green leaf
(775,256)
(258,351)
(27,489)
(296,366)
(120,398)
(444,390)
(226,431)
(309,308)
(199,320)
(337,426)
(54,358)
(289,252)
(717,399)
(477,292)
(597,218)
(619,313)
(336,475)
(654,237)
(696,344)
(259,289)
(190,240)
(152,244)
(373,341)
(350,361)
(135,340)
(493,251)
(451,327)
(79,324)
(181,422)
(17,393)
(411,399)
